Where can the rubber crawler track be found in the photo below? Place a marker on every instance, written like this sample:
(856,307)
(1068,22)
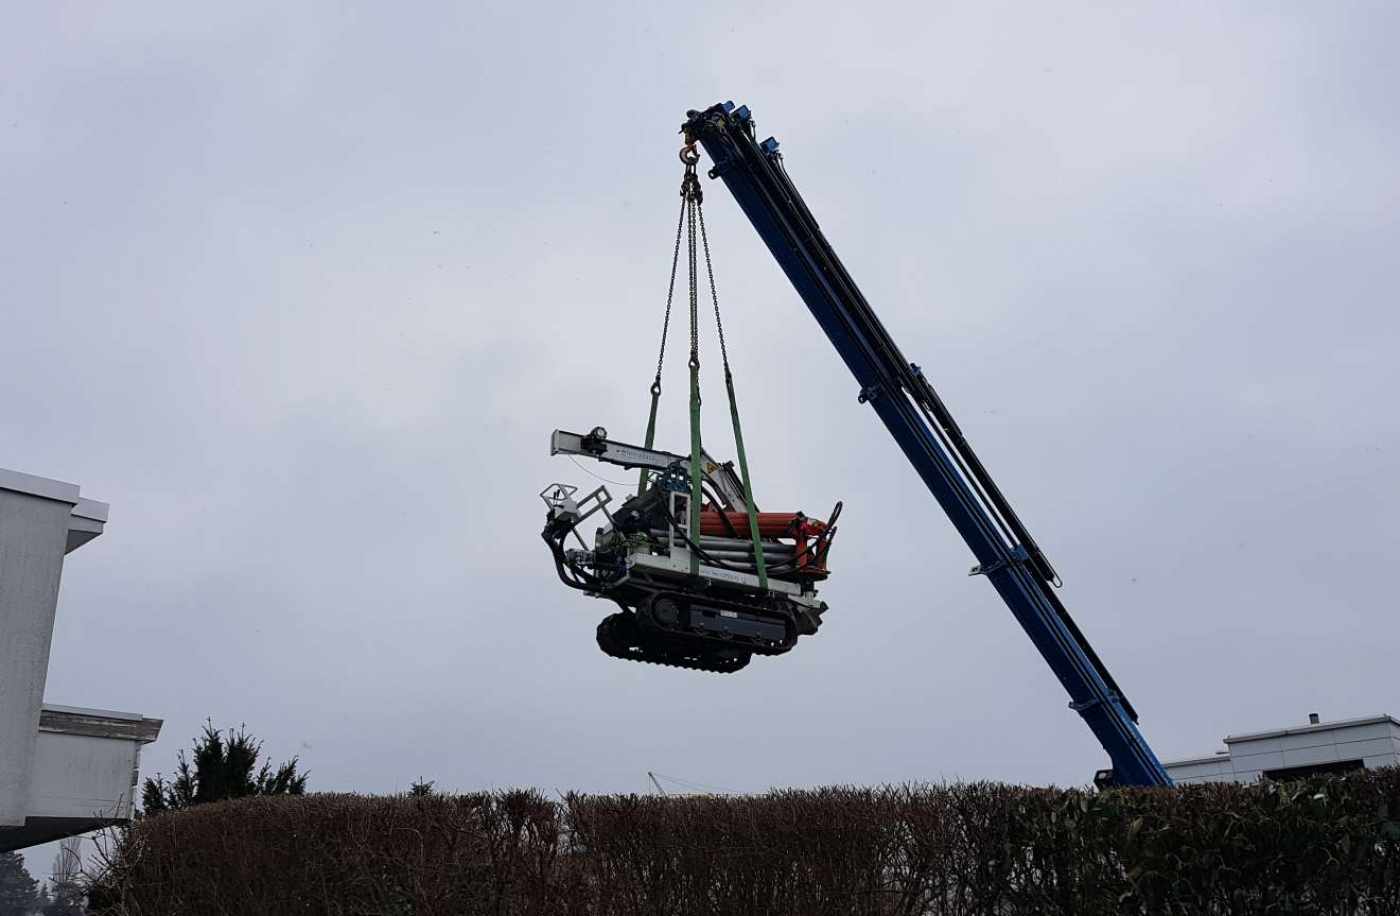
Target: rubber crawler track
(617,632)
(785,616)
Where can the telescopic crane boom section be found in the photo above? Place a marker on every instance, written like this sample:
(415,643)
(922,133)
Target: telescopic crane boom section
(918,420)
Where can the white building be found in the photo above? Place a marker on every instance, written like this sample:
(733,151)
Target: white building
(64,770)
(1300,750)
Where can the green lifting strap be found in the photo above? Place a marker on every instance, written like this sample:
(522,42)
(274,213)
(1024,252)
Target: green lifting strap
(651,433)
(695,470)
(692,184)
(748,491)
(749,507)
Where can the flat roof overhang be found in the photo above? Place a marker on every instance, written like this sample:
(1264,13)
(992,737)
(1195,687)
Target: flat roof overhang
(1338,725)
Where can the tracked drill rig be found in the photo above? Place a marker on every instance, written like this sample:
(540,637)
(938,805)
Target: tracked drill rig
(686,601)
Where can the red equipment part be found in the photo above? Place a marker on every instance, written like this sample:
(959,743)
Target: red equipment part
(811,536)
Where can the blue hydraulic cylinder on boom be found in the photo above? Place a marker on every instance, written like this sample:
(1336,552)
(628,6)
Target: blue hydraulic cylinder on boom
(913,413)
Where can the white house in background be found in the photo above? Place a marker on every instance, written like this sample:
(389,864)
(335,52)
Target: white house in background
(1299,750)
(64,770)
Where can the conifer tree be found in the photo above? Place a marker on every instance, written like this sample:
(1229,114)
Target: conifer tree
(220,766)
(19,892)
(66,894)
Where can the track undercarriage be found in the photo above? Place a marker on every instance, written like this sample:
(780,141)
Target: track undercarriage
(702,631)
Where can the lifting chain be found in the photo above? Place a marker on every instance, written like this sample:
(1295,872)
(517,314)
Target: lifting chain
(692,218)
(670,295)
(666,321)
(714,295)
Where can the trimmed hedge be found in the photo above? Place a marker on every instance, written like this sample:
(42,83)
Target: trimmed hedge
(1329,845)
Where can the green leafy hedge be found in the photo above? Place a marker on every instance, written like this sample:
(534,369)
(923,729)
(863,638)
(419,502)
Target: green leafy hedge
(1328,845)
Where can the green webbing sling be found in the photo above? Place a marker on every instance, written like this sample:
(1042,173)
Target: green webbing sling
(748,492)
(692,185)
(749,506)
(692,215)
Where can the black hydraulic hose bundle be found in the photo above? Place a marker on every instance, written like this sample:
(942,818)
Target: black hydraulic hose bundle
(812,550)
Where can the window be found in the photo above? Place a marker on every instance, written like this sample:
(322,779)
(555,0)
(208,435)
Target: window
(1314,769)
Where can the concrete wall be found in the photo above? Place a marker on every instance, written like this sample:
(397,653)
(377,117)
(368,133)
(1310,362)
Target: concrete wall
(1205,769)
(87,762)
(74,776)
(34,521)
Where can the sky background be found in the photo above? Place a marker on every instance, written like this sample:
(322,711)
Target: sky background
(301,290)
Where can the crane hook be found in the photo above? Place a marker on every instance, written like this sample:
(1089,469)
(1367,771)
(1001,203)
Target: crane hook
(689,154)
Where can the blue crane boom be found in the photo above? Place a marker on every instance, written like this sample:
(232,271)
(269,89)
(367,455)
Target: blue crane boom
(917,418)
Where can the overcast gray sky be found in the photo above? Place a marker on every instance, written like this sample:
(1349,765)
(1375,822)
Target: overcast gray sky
(302,290)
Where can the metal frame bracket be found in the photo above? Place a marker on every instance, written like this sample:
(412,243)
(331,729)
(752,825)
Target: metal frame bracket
(1019,555)
(1094,701)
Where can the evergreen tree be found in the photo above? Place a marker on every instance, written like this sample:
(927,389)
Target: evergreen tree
(67,894)
(19,892)
(421,789)
(220,766)
(68,899)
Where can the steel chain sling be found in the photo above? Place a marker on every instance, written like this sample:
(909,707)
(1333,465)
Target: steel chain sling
(691,216)
(661,356)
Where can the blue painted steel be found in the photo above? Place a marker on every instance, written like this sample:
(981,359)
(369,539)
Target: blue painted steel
(913,413)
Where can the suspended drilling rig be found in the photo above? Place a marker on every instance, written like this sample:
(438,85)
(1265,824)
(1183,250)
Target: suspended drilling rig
(701,577)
